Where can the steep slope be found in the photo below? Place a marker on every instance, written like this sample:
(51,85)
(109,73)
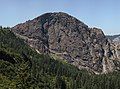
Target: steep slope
(69,39)
(23,68)
(115,45)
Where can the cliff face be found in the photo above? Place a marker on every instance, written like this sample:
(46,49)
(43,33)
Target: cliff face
(69,39)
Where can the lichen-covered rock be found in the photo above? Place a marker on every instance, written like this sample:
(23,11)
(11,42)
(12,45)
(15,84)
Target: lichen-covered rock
(71,40)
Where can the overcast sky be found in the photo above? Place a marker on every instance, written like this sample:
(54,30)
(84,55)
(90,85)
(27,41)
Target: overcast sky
(104,14)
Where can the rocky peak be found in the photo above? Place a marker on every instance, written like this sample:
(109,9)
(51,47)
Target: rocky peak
(69,39)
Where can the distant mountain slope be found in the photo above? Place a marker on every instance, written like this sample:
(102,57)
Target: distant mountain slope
(112,37)
(67,38)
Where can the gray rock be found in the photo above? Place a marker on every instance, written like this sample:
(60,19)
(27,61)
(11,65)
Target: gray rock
(70,39)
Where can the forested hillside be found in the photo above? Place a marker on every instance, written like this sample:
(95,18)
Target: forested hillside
(21,67)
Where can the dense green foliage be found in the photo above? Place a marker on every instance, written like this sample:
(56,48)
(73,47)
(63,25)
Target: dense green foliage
(23,68)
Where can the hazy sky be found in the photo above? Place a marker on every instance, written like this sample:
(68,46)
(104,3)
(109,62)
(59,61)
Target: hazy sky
(104,14)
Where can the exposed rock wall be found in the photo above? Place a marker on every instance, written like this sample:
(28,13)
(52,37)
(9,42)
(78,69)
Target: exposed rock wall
(71,40)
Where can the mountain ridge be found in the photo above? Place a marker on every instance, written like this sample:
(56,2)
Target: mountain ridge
(24,66)
(71,40)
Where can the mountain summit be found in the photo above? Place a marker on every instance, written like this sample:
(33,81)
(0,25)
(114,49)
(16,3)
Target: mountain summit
(66,38)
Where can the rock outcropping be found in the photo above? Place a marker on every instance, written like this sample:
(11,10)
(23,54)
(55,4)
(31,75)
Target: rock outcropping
(69,39)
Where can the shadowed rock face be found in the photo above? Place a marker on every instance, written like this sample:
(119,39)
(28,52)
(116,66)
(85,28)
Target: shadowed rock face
(69,39)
